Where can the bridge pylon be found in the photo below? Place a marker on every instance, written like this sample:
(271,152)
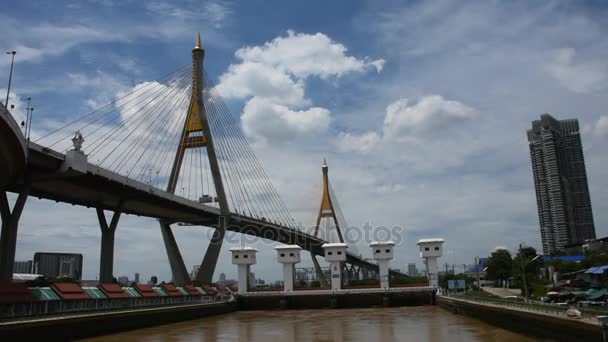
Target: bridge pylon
(326,210)
(196,133)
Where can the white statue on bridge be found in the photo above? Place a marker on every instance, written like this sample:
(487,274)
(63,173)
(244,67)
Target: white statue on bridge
(77,141)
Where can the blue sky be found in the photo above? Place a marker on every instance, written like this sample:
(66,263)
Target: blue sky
(420,107)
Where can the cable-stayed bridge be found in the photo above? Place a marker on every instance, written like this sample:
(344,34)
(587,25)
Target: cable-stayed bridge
(169,149)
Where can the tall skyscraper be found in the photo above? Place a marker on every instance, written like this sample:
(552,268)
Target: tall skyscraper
(55,265)
(560,179)
(411,270)
(23,266)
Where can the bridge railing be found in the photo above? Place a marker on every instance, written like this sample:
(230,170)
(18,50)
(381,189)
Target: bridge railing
(41,308)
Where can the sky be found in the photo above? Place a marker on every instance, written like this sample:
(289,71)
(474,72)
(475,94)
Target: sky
(421,109)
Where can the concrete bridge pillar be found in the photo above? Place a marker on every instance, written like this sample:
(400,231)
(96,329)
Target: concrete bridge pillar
(106,259)
(243,257)
(288,256)
(335,254)
(178,268)
(10,224)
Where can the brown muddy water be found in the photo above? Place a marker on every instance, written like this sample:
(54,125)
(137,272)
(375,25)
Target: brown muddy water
(426,323)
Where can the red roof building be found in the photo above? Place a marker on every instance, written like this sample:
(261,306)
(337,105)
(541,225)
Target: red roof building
(113,291)
(210,291)
(171,290)
(11,293)
(192,290)
(146,290)
(70,291)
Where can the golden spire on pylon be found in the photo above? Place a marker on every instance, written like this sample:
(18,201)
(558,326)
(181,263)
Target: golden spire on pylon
(198,41)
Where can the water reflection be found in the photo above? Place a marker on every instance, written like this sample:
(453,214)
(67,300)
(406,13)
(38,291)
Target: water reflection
(381,324)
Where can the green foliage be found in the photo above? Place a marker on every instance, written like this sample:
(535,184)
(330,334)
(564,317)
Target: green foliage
(499,265)
(65,280)
(409,280)
(362,282)
(564,267)
(527,263)
(315,283)
(39,282)
(595,259)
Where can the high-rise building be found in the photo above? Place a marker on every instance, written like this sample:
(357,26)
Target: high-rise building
(123,280)
(23,267)
(194,272)
(411,270)
(560,179)
(136,280)
(222,277)
(57,265)
(252,282)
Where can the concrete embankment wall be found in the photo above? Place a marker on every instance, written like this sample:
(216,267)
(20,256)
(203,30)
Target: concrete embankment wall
(334,300)
(536,324)
(71,327)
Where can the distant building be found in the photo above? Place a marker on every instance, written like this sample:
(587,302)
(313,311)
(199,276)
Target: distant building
(123,280)
(194,272)
(252,282)
(136,278)
(56,265)
(411,270)
(23,267)
(222,277)
(560,179)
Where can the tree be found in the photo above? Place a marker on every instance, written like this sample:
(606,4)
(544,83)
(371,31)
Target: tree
(526,265)
(499,265)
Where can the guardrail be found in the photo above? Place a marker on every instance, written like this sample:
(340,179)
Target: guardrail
(551,309)
(42,308)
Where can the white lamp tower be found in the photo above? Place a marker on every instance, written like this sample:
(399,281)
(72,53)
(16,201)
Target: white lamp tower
(335,254)
(288,255)
(244,257)
(430,250)
(383,253)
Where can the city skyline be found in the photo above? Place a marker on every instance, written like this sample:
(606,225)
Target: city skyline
(408,144)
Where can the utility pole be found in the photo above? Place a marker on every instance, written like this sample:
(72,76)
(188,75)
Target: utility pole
(477,273)
(10,77)
(523,273)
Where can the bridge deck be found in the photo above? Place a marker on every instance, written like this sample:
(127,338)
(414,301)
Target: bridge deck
(100,188)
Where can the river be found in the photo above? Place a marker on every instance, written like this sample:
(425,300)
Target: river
(425,323)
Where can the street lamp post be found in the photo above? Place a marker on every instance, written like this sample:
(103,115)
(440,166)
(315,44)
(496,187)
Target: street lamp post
(10,76)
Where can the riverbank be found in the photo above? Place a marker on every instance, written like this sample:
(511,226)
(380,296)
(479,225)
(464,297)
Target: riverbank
(549,324)
(81,325)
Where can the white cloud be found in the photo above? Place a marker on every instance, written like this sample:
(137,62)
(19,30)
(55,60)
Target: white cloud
(430,113)
(410,122)
(102,85)
(217,12)
(274,75)
(579,77)
(45,39)
(19,112)
(601,127)
(256,79)
(361,143)
(306,55)
(264,119)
